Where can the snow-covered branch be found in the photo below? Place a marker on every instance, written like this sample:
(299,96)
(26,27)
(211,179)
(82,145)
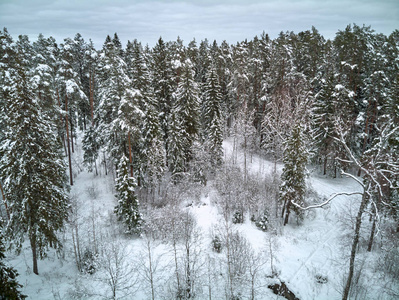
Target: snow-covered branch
(320,205)
(354,178)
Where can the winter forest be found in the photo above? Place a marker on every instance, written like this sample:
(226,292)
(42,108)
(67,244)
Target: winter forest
(265,169)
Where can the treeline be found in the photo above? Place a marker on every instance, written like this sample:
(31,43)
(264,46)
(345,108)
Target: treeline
(163,112)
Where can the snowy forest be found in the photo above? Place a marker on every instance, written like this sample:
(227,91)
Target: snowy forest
(264,169)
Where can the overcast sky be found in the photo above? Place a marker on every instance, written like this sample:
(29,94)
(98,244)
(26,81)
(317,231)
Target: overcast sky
(234,20)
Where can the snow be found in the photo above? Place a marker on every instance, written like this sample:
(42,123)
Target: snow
(70,86)
(301,253)
(339,87)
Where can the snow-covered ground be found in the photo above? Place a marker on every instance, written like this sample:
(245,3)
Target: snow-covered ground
(303,255)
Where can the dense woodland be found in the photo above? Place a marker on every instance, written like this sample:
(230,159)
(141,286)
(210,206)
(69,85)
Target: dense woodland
(155,119)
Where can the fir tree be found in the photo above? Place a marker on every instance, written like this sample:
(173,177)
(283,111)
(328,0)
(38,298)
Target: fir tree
(127,208)
(32,168)
(293,186)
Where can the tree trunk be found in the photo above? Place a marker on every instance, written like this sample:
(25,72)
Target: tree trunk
(60,124)
(354,246)
(245,156)
(287,213)
(130,155)
(325,166)
(91,81)
(105,164)
(209,279)
(95,166)
(371,240)
(5,202)
(70,120)
(68,144)
(176,263)
(150,271)
(75,251)
(188,279)
(32,238)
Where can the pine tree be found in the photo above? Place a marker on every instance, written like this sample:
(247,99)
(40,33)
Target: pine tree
(10,288)
(81,65)
(127,208)
(44,68)
(32,168)
(149,161)
(126,124)
(69,91)
(117,99)
(293,186)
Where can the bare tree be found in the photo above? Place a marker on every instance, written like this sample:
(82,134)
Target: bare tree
(116,269)
(149,263)
(74,222)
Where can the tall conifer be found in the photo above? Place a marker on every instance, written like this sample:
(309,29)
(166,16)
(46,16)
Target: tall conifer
(31,167)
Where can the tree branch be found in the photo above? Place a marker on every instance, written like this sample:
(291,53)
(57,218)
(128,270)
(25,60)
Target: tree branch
(327,201)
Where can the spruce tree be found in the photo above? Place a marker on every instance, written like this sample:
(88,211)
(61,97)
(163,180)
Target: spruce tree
(5,61)
(212,118)
(32,168)
(177,141)
(153,150)
(162,84)
(186,106)
(90,147)
(323,119)
(148,144)
(127,208)
(293,186)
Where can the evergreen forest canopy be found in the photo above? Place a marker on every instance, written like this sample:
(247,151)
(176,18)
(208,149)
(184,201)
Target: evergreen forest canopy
(151,115)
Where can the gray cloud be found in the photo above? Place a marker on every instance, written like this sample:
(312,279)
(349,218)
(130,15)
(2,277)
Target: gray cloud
(231,20)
